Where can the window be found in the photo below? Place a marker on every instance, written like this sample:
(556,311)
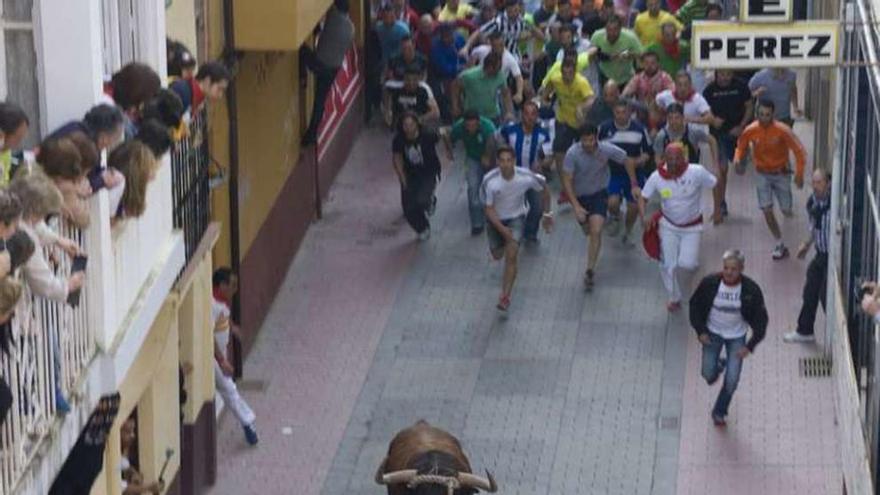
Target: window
(18,61)
(119,34)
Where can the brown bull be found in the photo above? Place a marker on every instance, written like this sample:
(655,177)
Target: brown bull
(424,460)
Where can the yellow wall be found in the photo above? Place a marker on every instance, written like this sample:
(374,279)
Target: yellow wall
(180,23)
(274,24)
(269,133)
(151,384)
(197,341)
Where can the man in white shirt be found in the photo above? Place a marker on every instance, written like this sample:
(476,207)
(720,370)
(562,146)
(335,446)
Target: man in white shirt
(504,194)
(680,186)
(509,64)
(696,108)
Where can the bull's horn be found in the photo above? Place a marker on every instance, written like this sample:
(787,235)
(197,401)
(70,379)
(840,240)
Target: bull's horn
(486,484)
(398,477)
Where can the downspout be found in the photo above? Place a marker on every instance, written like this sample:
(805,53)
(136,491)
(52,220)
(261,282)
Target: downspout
(230,59)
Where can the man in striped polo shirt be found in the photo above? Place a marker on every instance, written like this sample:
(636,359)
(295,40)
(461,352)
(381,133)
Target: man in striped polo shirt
(510,24)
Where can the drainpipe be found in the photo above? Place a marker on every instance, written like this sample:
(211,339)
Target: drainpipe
(230,60)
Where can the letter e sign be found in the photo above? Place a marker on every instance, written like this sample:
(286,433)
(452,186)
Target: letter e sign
(766,10)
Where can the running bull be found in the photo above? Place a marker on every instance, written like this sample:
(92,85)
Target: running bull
(424,460)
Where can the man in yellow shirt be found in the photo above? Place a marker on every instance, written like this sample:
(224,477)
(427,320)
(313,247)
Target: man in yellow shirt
(455,10)
(574,95)
(648,23)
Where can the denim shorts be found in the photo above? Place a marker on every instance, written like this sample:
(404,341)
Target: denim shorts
(770,185)
(564,137)
(496,240)
(595,204)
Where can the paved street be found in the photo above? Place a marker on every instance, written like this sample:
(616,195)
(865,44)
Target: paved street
(595,393)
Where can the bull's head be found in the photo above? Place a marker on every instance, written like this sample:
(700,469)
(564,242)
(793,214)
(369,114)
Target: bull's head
(434,484)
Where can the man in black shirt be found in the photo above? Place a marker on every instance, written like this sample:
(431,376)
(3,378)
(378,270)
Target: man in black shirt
(417,167)
(731,104)
(409,58)
(413,95)
(595,20)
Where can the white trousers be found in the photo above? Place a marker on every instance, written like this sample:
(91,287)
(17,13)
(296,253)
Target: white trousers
(227,389)
(680,250)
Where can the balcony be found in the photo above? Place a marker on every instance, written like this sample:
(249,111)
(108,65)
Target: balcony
(132,269)
(273,25)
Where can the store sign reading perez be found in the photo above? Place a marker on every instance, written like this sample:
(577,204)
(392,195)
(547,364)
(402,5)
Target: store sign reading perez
(765,38)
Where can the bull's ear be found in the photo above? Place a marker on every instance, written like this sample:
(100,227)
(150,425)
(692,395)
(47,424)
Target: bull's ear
(381,471)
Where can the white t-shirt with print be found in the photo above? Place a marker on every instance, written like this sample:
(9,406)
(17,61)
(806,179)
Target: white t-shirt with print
(725,317)
(680,198)
(509,65)
(695,107)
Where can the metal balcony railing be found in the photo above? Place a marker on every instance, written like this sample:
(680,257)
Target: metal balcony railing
(42,331)
(190,163)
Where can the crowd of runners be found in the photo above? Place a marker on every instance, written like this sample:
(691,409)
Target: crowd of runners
(597,102)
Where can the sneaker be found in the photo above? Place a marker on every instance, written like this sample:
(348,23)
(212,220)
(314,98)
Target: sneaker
(503,303)
(425,234)
(62,407)
(673,306)
(613,226)
(718,420)
(433,207)
(723,208)
(588,280)
(250,434)
(794,337)
(627,241)
(780,252)
(475,231)
(562,199)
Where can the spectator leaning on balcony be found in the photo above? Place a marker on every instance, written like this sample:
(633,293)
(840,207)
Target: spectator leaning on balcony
(10,215)
(10,293)
(40,198)
(167,109)
(181,63)
(130,88)
(63,163)
(14,125)
(138,165)
(209,83)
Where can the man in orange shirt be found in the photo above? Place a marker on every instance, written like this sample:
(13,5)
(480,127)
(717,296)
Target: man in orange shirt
(771,142)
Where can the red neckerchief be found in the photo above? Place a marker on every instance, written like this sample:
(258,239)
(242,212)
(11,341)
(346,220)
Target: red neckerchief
(664,172)
(218,296)
(198,96)
(686,99)
(673,49)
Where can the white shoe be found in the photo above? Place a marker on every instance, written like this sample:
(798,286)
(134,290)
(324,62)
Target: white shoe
(794,337)
(425,235)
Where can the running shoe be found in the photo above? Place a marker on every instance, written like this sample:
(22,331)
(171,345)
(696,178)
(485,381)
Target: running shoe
(562,199)
(794,337)
(425,234)
(433,207)
(613,226)
(724,208)
(718,421)
(503,303)
(673,306)
(780,252)
(588,280)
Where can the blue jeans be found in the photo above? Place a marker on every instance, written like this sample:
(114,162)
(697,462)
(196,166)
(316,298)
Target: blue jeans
(533,217)
(474,175)
(712,369)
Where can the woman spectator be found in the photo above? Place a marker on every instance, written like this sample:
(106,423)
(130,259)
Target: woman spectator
(63,163)
(138,164)
(167,109)
(104,125)
(14,125)
(40,198)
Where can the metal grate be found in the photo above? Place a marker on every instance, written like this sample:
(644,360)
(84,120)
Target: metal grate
(815,367)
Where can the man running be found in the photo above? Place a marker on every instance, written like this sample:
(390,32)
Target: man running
(531,143)
(680,186)
(722,309)
(477,133)
(585,175)
(504,194)
(626,133)
(771,143)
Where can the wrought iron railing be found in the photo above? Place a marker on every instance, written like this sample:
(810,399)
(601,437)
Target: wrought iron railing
(190,163)
(29,368)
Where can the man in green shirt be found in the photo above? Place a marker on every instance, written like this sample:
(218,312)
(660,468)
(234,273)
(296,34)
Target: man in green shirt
(477,89)
(693,10)
(616,49)
(673,53)
(477,133)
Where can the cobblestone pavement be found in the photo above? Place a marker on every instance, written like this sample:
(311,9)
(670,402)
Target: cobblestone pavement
(594,393)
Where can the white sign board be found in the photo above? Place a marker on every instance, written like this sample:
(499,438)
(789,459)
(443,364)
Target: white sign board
(765,10)
(730,45)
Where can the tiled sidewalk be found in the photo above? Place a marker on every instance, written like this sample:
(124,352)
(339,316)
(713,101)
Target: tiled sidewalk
(571,393)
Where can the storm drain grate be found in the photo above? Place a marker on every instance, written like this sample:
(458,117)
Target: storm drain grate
(815,367)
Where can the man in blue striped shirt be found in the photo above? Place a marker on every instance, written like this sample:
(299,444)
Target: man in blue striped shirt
(819,213)
(531,146)
(629,135)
